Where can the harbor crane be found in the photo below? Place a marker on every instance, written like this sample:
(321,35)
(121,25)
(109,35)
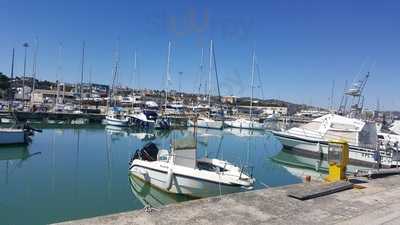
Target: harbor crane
(356,93)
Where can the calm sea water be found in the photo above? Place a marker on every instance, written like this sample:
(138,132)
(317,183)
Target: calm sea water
(72,173)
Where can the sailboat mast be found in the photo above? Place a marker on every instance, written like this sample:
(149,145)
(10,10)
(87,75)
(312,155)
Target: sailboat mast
(34,65)
(201,69)
(209,74)
(58,72)
(167,78)
(217,81)
(12,81)
(82,71)
(134,68)
(252,84)
(133,77)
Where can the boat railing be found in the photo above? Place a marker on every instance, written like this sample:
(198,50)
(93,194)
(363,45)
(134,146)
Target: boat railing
(246,169)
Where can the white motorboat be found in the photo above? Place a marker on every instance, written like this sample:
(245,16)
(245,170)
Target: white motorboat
(180,172)
(205,122)
(115,117)
(145,119)
(13,136)
(243,123)
(312,139)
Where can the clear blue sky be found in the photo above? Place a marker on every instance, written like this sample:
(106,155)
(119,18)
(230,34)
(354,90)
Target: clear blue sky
(302,46)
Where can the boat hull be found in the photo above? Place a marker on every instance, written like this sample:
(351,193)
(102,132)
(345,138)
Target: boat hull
(245,125)
(182,184)
(12,136)
(116,122)
(319,149)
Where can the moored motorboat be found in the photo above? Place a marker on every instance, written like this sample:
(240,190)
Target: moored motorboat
(115,117)
(180,172)
(312,139)
(145,119)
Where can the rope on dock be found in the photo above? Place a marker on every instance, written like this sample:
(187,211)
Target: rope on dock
(149,209)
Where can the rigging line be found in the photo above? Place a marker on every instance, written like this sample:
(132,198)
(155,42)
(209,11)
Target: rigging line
(200,72)
(372,66)
(216,76)
(259,78)
(355,79)
(219,146)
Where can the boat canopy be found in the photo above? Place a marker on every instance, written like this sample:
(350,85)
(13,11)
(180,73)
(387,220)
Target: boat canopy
(185,152)
(335,127)
(186,143)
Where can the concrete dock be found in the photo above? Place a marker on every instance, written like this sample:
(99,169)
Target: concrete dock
(378,203)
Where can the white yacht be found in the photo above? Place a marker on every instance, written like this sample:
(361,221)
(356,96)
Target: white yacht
(206,122)
(243,123)
(180,172)
(312,139)
(115,117)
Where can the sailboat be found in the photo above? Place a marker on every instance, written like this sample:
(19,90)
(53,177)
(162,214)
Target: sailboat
(179,171)
(115,116)
(244,123)
(207,121)
(13,135)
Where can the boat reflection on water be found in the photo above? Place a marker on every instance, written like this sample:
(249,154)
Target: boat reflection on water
(298,161)
(14,153)
(151,196)
(244,132)
(143,136)
(13,158)
(117,131)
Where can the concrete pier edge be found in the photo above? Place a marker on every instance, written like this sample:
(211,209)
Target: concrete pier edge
(378,203)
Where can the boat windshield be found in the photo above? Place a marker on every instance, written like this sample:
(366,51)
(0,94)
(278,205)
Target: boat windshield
(209,167)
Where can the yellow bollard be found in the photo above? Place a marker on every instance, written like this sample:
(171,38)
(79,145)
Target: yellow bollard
(338,158)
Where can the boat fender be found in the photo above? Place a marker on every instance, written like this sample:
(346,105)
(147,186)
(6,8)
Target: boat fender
(168,183)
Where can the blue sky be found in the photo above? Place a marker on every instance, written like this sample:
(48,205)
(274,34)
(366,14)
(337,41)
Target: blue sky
(302,46)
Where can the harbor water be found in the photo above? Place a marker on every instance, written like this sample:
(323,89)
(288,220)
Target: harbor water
(68,173)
